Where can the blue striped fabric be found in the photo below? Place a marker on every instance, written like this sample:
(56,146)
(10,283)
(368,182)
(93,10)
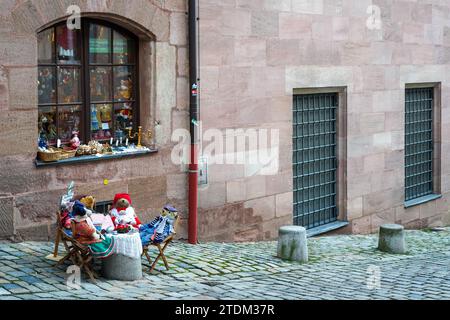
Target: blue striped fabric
(150,229)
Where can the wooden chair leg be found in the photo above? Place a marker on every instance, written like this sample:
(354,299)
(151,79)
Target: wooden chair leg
(67,256)
(57,239)
(85,263)
(147,256)
(163,256)
(157,258)
(87,268)
(154,264)
(160,255)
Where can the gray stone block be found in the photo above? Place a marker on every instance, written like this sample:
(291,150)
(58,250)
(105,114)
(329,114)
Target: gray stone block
(392,238)
(36,233)
(120,267)
(292,244)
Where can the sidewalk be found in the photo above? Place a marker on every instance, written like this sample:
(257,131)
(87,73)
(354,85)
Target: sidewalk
(340,267)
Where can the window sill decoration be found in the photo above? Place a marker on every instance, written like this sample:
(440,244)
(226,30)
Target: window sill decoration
(90,154)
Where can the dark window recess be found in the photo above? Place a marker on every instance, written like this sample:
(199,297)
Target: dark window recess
(103,206)
(87,82)
(314,159)
(418,143)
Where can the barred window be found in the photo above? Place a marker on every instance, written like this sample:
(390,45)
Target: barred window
(419,142)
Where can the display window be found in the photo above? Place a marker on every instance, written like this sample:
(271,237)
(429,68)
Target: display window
(86,82)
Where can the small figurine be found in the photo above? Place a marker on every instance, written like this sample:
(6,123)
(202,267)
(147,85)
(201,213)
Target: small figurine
(66,82)
(105,113)
(74,140)
(45,85)
(125,89)
(42,141)
(52,131)
(94,120)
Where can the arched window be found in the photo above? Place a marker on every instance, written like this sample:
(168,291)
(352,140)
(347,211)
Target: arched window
(87,82)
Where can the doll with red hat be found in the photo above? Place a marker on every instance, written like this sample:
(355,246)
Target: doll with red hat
(123,214)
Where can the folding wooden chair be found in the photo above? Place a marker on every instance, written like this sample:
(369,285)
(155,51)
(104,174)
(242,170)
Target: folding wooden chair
(61,236)
(82,256)
(78,253)
(161,247)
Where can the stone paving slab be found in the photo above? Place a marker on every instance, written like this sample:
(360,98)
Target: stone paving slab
(340,267)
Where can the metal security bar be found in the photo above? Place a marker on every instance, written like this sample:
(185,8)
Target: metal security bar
(418,143)
(102,207)
(314,159)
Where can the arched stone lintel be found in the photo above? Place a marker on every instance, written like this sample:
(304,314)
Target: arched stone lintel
(142,17)
(135,28)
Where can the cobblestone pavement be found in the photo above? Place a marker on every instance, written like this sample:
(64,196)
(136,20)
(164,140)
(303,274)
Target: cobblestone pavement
(340,267)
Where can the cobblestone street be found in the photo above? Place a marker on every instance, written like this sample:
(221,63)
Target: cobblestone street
(340,267)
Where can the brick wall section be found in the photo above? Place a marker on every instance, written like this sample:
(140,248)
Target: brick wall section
(255,52)
(28,196)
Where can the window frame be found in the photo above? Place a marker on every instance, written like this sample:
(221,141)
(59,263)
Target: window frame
(436,143)
(341,149)
(84,66)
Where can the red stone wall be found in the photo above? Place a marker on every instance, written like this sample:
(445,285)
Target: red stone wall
(29,195)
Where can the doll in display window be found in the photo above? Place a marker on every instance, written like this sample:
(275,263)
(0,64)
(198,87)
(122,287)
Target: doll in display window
(46,92)
(69,122)
(94,119)
(124,116)
(66,41)
(105,112)
(124,90)
(67,82)
(74,141)
(48,127)
(98,84)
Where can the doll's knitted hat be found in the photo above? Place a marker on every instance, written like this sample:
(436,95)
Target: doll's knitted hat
(78,209)
(122,196)
(170,208)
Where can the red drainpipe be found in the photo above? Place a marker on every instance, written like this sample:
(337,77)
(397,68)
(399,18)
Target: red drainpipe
(193,196)
(193,114)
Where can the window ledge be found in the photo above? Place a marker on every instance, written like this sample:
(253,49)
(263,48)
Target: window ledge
(93,158)
(420,200)
(326,228)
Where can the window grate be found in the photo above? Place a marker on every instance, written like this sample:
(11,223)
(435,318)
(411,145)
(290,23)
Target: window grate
(102,207)
(418,143)
(314,159)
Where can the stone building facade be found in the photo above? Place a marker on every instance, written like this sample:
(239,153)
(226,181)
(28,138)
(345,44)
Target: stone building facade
(29,196)
(255,56)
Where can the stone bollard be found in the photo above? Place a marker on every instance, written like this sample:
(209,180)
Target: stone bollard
(292,244)
(121,267)
(391,238)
